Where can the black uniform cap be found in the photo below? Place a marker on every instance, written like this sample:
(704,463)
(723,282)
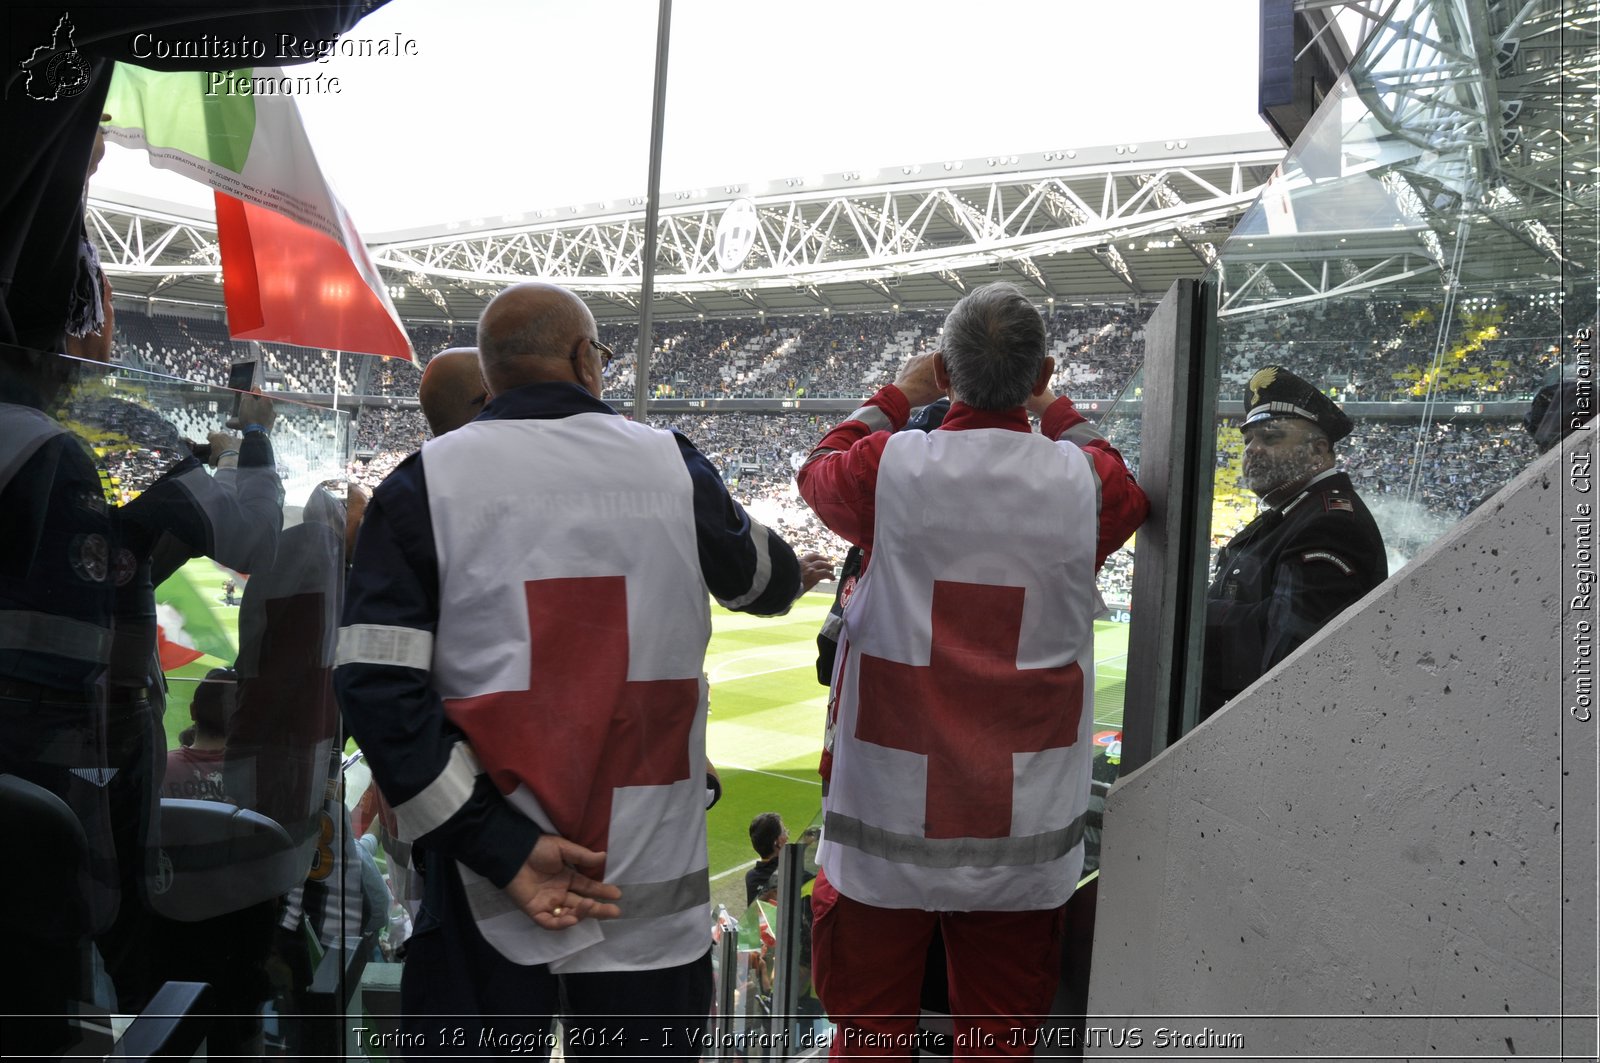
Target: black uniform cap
(1276,392)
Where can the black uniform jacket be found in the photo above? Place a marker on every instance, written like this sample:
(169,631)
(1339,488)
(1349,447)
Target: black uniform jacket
(1289,572)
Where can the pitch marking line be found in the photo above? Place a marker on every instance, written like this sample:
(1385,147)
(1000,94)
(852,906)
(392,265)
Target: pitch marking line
(774,774)
(719,671)
(746,866)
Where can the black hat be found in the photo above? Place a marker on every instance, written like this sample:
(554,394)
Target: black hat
(1276,392)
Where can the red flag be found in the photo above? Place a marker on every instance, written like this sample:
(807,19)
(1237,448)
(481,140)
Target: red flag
(289,283)
(173,654)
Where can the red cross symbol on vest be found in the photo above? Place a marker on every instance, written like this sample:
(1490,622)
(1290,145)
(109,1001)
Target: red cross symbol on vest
(581,729)
(970,708)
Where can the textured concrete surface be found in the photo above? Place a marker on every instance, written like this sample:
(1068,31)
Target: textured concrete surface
(1387,845)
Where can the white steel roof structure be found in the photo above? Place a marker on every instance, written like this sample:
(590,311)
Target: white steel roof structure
(1114,222)
(1460,157)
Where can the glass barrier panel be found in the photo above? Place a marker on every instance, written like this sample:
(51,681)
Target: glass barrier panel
(220,848)
(1121,421)
(1415,261)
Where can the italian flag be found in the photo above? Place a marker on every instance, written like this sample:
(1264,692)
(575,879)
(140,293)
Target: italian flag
(294,268)
(188,627)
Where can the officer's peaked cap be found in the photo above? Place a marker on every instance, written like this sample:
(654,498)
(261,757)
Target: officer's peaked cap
(1276,392)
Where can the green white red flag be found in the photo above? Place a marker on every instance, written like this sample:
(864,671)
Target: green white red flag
(187,624)
(294,268)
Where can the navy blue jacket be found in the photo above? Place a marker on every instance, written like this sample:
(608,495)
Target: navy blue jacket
(393,711)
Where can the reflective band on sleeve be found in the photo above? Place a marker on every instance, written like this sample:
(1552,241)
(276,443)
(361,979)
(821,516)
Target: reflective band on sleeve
(1082,434)
(872,417)
(763,574)
(443,798)
(61,636)
(1094,471)
(952,852)
(814,455)
(402,647)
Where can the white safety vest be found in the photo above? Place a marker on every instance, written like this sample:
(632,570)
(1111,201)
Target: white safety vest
(959,781)
(592,497)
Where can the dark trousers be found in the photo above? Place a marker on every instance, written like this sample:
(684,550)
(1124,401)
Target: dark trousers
(460,998)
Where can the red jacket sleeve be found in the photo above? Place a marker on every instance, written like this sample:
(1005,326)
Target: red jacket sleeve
(840,479)
(1123,505)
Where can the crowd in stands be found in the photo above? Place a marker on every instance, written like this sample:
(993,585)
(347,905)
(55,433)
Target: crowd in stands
(1455,465)
(846,356)
(1368,350)
(198,348)
(379,427)
(384,436)
(1377,351)
(1497,351)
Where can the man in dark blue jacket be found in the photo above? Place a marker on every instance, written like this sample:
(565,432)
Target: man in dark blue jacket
(521,661)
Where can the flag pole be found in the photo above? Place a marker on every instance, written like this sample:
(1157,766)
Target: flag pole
(647,267)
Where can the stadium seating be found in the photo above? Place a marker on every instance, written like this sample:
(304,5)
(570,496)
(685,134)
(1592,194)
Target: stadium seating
(1499,351)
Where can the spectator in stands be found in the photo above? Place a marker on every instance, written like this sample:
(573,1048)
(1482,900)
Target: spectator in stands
(452,391)
(768,836)
(552,518)
(194,769)
(981,540)
(1314,549)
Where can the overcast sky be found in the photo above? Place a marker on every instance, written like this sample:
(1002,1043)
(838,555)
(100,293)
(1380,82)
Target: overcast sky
(512,105)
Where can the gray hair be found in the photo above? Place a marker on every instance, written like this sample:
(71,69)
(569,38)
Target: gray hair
(993,345)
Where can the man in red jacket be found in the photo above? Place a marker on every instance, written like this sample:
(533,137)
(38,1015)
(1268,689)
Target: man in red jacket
(957,760)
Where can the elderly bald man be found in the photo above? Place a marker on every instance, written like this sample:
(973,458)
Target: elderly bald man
(452,390)
(526,626)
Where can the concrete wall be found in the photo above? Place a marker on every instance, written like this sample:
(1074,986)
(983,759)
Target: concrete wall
(1377,839)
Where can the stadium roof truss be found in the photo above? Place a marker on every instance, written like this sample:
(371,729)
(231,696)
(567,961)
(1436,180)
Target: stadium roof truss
(1118,222)
(145,242)
(1059,229)
(1474,164)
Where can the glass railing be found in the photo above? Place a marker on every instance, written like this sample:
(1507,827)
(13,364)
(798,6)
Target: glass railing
(178,553)
(1424,257)
(767,1003)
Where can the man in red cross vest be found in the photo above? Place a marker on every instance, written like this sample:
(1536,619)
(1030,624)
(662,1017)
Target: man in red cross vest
(958,755)
(521,660)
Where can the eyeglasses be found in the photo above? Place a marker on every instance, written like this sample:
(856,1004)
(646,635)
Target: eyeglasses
(607,355)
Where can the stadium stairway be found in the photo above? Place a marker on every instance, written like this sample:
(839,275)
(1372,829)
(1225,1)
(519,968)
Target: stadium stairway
(1379,826)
